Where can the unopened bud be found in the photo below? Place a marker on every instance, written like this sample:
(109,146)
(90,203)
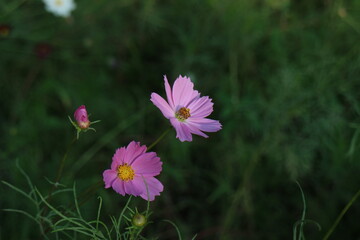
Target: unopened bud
(139,220)
(82,122)
(81,117)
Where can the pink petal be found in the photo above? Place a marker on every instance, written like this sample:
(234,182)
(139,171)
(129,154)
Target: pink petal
(164,107)
(168,93)
(150,186)
(201,107)
(194,96)
(80,114)
(133,150)
(118,158)
(109,177)
(147,164)
(205,124)
(183,91)
(182,131)
(132,188)
(195,130)
(118,186)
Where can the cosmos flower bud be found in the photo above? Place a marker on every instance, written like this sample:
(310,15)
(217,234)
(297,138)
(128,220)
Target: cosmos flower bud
(81,117)
(82,122)
(138,220)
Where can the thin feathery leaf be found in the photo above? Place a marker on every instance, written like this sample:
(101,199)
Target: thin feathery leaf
(75,229)
(193,238)
(98,213)
(19,191)
(58,212)
(24,174)
(121,216)
(104,225)
(55,184)
(59,191)
(301,231)
(22,212)
(76,202)
(174,225)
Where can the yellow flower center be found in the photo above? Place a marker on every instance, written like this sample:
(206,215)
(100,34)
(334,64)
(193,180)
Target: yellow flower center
(183,114)
(58,3)
(125,172)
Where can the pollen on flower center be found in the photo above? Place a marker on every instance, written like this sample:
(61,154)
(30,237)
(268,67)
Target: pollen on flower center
(125,172)
(58,2)
(183,114)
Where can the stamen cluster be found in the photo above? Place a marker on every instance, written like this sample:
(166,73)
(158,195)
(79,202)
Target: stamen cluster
(183,114)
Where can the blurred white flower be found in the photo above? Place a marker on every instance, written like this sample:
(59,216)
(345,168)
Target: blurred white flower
(61,8)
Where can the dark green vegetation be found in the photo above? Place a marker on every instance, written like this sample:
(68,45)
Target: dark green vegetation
(284,77)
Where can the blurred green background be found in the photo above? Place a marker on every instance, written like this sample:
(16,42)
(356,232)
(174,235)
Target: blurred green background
(284,77)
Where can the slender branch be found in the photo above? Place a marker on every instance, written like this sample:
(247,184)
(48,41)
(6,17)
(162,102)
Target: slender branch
(61,168)
(159,138)
(58,175)
(346,208)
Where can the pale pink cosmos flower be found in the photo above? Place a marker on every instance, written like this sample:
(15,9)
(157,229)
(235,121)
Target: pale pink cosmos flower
(186,110)
(132,172)
(81,117)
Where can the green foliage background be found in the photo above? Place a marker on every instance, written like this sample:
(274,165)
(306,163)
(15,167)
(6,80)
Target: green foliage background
(284,77)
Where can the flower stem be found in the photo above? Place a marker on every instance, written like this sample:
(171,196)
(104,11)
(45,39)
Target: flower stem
(346,208)
(62,163)
(159,139)
(59,174)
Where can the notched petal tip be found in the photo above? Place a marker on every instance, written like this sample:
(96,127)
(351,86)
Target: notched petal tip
(118,157)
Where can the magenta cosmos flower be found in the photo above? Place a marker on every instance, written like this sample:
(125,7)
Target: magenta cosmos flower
(186,110)
(81,117)
(132,172)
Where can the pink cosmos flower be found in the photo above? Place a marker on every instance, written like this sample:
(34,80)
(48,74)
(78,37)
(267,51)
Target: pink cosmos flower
(132,172)
(81,117)
(186,110)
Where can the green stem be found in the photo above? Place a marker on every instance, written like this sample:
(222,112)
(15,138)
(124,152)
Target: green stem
(121,216)
(159,139)
(346,208)
(62,163)
(59,174)
(83,198)
(301,232)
